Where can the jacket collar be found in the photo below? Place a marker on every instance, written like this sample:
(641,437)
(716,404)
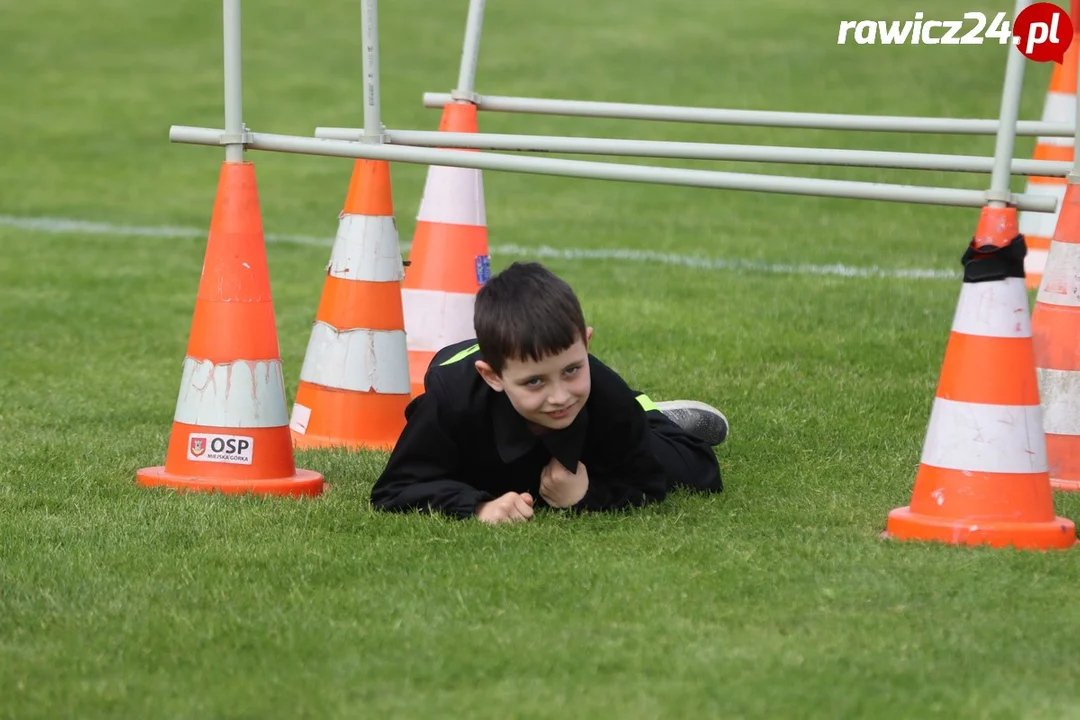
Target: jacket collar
(513,439)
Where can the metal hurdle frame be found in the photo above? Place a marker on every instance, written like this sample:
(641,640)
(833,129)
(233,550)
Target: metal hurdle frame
(465,92)
(761,118)
(236,137)
(701,151)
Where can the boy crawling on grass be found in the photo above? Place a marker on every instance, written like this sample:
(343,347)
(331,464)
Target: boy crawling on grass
(524,417)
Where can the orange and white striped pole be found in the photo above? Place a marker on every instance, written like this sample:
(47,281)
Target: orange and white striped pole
(449,260)
(1059,107)
(354,383)
(230,431)
(983,476)
(1056,331)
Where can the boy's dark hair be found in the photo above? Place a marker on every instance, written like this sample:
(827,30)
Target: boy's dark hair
(526,312)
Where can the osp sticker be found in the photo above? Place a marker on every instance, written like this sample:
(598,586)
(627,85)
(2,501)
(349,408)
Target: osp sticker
(232,449)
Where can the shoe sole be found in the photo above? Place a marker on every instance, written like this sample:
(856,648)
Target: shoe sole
(708,423)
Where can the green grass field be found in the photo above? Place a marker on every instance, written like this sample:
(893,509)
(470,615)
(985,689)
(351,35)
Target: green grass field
(776,599)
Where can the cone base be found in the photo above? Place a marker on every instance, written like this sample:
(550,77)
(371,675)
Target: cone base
(332,418)
(305,483)
(1065,485)
(1057,534)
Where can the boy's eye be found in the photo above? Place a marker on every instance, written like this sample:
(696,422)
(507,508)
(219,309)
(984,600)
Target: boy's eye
(572,370)
(533,382)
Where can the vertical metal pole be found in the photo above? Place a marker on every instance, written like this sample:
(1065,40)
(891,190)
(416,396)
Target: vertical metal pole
(470,52)
(1010,113)
(234,94)
(373,128)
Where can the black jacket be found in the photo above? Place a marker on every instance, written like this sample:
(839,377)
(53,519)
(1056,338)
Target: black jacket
(464,444)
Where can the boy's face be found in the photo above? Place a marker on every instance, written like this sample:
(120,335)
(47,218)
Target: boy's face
(549,392)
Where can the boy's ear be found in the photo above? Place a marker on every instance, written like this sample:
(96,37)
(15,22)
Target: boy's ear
(588,337)
(489,375)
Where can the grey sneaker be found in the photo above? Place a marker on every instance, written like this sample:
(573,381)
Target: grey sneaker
(698,419)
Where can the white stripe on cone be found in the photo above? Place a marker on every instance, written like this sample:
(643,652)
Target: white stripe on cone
(997,308)
(454,196)
(360,360)
(241,394)
(1061,283)
(1058,108)
(435,319)
(301,416)
(366,249)
(1042,224)
(974,437)
(1035,261)
(1060,392)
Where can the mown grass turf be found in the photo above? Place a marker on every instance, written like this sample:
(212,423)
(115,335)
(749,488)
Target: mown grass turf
(776,599)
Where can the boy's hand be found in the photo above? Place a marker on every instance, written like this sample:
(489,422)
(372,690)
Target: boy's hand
(561,488)
(511,507)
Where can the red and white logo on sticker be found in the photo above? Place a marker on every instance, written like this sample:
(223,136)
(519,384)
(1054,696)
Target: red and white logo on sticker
(231,449)
(1043,32)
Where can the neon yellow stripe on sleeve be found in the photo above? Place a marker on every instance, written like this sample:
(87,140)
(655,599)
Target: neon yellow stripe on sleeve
(461,355)
(646,402)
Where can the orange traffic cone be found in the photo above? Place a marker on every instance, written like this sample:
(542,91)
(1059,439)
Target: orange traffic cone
(230,432)
(354,384)
(1059,107)
(449,260)
(1055,327)
(983,477)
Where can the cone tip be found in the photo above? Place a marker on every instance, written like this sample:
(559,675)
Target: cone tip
(997,226)
(370,191)
(459,117)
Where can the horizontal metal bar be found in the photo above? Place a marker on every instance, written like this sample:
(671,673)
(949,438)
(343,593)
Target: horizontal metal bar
(702,151)
(614,171)
(768,118)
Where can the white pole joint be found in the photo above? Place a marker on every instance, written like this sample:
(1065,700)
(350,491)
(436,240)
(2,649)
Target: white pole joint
(1001,196)
(375,138)
(465,96)
(244,137)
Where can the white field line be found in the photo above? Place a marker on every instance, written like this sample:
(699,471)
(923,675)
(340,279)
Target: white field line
(82,227)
